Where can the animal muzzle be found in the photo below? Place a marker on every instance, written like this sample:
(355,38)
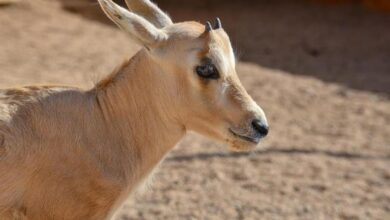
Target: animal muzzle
(260,128)
(253,132)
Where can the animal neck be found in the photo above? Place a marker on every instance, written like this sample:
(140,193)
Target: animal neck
(138,107)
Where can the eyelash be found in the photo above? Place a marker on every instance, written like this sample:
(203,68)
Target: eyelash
(207,71)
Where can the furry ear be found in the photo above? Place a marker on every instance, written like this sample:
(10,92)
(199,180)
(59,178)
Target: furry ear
(150,12)
(139,28)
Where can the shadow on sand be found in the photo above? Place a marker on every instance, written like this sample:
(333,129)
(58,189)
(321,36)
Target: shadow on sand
(276,151)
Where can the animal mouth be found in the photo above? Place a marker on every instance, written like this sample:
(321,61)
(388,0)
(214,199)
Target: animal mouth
(254,140)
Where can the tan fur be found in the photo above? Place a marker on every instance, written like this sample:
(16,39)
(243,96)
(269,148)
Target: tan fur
(69,154)
(111,77)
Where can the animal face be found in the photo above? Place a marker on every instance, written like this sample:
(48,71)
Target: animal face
(200,58)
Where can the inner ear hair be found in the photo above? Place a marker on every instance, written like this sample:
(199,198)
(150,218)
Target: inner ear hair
(150,12)
(136,26)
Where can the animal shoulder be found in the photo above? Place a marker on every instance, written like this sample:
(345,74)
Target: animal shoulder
(12,99)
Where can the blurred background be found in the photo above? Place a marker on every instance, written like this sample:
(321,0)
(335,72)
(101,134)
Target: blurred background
(319,68)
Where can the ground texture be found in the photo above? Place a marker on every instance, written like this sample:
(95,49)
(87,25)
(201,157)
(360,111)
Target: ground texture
(322,74)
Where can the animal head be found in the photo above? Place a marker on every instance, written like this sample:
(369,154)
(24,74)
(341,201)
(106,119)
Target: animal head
(201,60)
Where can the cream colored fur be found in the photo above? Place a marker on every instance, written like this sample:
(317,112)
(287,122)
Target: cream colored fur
(69,154)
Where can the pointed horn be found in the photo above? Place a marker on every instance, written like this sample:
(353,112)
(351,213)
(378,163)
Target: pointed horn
(208,26)
(218,23)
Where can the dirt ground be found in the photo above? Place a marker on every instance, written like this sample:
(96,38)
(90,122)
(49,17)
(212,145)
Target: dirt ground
(321,73)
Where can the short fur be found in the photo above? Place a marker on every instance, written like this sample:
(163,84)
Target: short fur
(66,153)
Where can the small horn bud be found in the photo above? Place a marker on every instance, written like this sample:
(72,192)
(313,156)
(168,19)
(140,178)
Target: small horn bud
(208,26)
(218,23)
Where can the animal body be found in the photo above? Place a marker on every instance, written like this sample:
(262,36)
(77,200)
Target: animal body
(67,153)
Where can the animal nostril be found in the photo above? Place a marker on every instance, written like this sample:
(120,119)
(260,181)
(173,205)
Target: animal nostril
(260,127)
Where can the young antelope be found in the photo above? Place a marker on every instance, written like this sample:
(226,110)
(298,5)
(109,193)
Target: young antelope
(66,153)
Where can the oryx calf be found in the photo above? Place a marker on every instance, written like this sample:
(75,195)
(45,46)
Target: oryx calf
(71,154)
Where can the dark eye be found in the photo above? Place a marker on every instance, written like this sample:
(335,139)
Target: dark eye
(207,71)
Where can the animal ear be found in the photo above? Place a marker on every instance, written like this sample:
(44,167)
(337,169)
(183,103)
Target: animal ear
(150,12)
(139,28)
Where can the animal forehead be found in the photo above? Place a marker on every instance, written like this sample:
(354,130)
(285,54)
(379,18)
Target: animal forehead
(191,30)
(219,40)
(221,52)
(185,30)
(191,36)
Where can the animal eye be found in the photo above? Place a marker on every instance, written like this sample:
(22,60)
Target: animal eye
(207,71)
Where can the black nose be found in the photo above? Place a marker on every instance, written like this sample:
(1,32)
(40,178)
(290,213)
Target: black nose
(260,127)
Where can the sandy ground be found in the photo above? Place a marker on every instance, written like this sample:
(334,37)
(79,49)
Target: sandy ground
(322,74)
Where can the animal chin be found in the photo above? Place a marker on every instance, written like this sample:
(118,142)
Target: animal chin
(253,140)
(240,145)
